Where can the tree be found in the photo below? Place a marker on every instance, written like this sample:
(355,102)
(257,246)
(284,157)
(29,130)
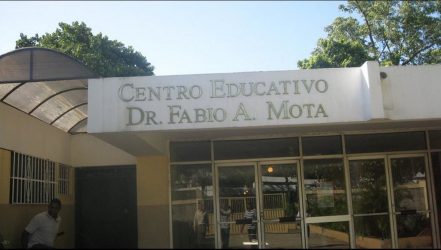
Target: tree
(107,58)
(391,32)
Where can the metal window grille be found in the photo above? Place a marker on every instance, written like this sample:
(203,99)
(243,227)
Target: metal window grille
(63,180)
(32,180)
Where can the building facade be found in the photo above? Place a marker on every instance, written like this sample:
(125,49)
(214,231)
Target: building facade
(324,158)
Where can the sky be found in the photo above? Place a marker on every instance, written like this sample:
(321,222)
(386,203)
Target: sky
(186,37)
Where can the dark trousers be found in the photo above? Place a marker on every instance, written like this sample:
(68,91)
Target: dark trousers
(252,234)
(225,235)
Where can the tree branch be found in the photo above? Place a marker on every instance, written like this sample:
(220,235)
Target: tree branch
(416,53)
(368,26)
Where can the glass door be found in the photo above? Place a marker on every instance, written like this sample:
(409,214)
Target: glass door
(411,208)
(258,205)
(326,210)
(237,213)
(370,202)
(280,205)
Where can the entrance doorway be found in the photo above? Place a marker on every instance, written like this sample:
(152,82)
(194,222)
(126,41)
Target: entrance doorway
(271,207)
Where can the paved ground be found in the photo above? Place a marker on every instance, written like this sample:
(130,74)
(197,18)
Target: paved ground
(289,240)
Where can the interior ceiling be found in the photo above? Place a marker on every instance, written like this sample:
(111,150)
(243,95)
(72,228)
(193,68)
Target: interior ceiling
(48,85)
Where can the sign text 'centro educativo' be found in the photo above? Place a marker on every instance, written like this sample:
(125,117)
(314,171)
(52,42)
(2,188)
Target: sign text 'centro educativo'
(282,100)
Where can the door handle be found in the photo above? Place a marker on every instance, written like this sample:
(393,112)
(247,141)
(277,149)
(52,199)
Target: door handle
(408,212)
(244,221)
(287,219)
(268,221)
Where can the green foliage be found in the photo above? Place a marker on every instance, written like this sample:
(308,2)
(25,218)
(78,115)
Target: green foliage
(391,32)
(336,54)
(27,42)
(107,58)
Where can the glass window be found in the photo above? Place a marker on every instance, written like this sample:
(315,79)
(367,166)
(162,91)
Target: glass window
(321,145)
(435,139)
(190,151)
(64,173)
(387,142)
(262,148)
(325,187)
(192,206)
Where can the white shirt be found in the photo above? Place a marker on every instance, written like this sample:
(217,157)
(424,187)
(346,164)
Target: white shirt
(224,214)
(43,229)
(251,214)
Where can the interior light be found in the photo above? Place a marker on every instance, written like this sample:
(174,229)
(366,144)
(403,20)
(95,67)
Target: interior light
(270,169)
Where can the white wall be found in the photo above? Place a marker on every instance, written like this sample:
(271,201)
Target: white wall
(412,92)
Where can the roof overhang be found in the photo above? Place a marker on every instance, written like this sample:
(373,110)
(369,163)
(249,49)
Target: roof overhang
(46,84)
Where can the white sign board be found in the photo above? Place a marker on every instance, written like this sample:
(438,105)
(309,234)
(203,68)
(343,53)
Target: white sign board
(226,100)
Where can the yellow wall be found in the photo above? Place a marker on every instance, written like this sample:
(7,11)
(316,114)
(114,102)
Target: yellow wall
(14,218)
(5,163)
(153,202)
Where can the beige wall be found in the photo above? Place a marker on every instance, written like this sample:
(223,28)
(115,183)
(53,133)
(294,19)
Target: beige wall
(25,134)
(153,202)
(87,150)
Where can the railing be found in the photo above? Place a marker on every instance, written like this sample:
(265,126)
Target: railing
(274,207)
